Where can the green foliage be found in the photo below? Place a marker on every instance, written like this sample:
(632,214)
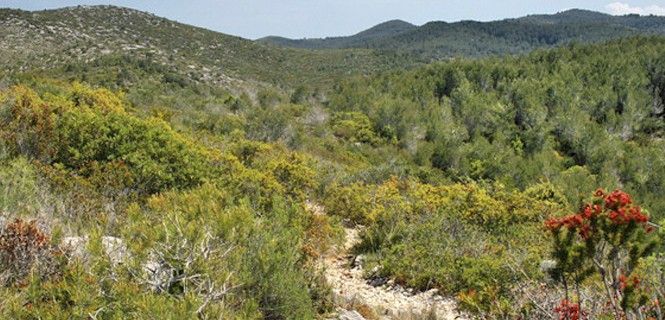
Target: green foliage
(354,127)
(552,115)
(218,258)
(91,133)
(460,238)
(294,173)
(349,202)
(19,188)
(491,207)
(266,250)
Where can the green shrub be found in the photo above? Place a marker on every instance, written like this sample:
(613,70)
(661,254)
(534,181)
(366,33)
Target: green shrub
(349,202)
(19,187)
(469,240)
(267,260)
(354,127)
(91,131)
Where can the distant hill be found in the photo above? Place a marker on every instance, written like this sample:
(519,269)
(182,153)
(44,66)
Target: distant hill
(363,39)
(109,41)
(436,40)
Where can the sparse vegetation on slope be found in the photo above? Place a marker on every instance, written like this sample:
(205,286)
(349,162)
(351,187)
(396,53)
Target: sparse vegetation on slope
(78,41)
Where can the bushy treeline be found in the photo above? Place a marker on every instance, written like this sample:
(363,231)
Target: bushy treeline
(578,117)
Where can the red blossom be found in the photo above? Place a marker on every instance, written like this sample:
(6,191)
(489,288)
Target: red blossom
(587,212)
(569,311)
(617,199)
(613,215)
(599,193)
(552,224)
(618,209)
(622,281)
(633,281)
(597,209)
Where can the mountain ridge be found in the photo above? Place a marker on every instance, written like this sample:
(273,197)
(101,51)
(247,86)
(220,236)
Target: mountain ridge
(439,39)
(377,32)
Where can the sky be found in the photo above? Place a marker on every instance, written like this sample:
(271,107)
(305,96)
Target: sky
(321,18)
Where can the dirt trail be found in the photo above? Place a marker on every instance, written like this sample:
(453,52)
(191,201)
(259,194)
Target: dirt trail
(351,290)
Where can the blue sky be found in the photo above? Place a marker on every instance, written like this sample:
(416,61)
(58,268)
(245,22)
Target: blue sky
(318,18)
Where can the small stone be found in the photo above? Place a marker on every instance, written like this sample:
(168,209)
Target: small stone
(115,249)
(358,261)
(547,265)
(75,246)
(350,315)
(376,282)
(3,218)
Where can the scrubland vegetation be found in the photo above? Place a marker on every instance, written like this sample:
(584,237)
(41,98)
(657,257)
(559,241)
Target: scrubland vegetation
(490,180)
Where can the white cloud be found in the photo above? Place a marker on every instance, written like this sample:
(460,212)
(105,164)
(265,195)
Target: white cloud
(620,8)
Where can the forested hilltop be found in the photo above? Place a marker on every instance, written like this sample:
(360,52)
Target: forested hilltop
(525,187)
(441,40)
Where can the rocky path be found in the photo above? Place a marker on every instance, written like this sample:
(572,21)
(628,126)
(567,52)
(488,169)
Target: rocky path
(358,298)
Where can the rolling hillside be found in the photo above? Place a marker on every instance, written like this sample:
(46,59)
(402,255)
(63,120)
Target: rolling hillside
(75,39)
(437,39)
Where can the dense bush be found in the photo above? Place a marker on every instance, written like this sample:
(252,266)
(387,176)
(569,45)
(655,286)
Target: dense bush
(265,262)
(355,127)
(460,238)
(492,207)
(193,253)
(90,133)
(225,232)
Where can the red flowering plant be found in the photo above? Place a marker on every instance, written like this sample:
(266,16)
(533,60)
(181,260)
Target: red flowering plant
(569,311)
(605,240)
